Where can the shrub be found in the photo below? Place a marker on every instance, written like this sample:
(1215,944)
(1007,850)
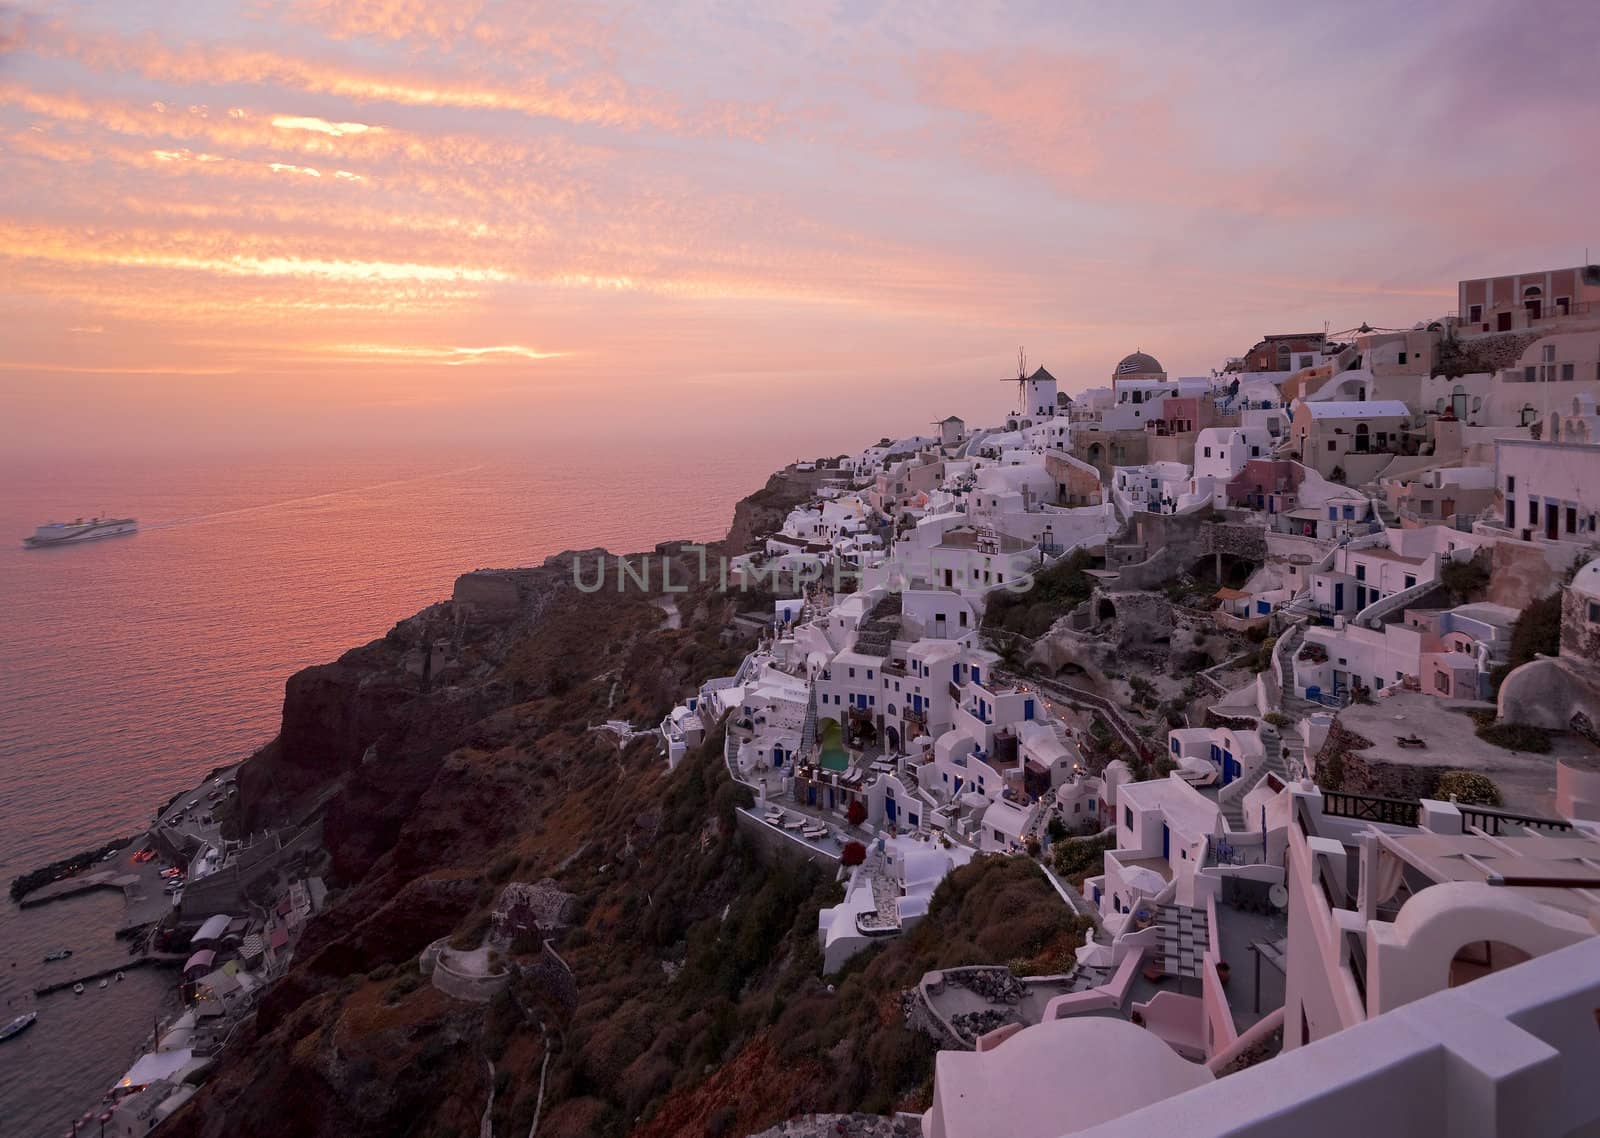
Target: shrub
(1056,828)
(854,853)
(1084,856)
(1469,788)
(1466,579)
(1537,631)
(1517,737)
(1277,719)
(404,986)
(856,813)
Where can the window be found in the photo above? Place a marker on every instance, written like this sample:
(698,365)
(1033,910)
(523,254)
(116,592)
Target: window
(1127,816)
(1475,314)
(1208,452)
(1594,612)
(1402,358)
(1529,374)
(1549,353)
(963,618)
(1572,519)
(1567,372)
(1533,511)
(1411,580)
(1361,572)
(869,673)
(852,673)
(1330,444)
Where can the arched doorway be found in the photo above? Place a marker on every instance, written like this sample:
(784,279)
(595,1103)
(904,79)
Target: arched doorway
(891,740)
(1533,301)
(1107,610)
(1458,402)
(1362,438)
(1482,957)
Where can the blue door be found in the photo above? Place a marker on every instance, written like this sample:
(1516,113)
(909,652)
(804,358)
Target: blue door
(1230,768)
(1166,841)
(1338,597)
(811,796)
(889,809)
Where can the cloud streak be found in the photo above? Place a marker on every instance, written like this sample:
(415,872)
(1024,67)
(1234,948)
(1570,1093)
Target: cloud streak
(695,196)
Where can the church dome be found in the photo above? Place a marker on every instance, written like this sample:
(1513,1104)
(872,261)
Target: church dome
(1139,363)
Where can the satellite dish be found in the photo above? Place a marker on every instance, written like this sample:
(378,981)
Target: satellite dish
(1278,895)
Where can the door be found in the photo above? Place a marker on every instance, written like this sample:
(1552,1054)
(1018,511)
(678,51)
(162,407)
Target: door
(1166,842)
(1552,522)
(1230,767)
(889,809)
(1338,596)
(1503,322)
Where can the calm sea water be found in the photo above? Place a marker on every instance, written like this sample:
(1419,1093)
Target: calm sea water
(131,666)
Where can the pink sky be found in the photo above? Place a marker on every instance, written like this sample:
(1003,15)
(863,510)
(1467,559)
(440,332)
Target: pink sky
(452,218)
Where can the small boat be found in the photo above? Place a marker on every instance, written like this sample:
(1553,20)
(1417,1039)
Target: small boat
(58,954)
(77,989)
(17,1026)
(104,981)
(119,977)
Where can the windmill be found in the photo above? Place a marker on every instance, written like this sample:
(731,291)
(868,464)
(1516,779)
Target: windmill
(1021,379)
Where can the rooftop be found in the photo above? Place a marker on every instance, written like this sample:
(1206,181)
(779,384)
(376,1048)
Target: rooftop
(1526,780)
(1365,409)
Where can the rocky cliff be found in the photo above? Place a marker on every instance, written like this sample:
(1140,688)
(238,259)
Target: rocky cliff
(459,754)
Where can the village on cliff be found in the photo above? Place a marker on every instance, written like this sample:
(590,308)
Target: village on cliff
(1285,678)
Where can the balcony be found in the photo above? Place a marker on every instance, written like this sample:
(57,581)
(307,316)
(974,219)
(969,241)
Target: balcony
(1371,808)
(1496,823)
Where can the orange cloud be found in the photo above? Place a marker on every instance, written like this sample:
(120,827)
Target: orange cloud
(596,98)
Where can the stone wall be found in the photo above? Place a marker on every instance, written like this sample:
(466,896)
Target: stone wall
(1484,353)
(1140,622)
(1519,574)
(1339,765)
(1240,540)
(1579,638)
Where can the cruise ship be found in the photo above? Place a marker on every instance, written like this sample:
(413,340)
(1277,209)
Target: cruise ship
(65,533)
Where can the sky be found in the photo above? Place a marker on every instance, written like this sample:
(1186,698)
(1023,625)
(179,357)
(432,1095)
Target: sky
(320,220)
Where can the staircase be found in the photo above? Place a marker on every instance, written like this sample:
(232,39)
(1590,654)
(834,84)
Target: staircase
(1385,512)
(1274,761)
(1294,705)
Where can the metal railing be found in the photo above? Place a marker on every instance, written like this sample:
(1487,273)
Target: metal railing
(1358,962)
(1489,820)
(1372,808)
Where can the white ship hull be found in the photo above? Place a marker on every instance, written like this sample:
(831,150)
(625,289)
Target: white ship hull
(72,533)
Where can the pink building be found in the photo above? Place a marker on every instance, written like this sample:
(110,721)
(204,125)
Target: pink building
(1528,300)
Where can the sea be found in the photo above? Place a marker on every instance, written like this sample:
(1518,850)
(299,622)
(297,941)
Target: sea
(132,666)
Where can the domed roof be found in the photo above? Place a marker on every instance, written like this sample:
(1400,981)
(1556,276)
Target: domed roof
(1139,363)
(1587,579)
